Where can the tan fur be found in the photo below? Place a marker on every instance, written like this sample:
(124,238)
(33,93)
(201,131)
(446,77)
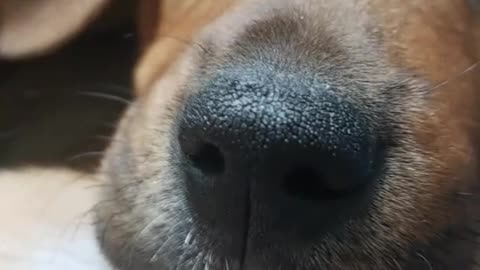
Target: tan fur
(436,156)
(166,28)
(47,220)
(32,27)
(418,61)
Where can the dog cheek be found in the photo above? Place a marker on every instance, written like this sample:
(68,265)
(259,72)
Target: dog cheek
(450,169)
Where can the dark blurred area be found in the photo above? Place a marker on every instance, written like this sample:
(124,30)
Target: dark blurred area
(61,108)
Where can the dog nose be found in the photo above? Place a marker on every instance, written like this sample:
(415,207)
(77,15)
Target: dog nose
(287,143)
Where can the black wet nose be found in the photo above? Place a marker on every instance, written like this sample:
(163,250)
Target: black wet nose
(283,140)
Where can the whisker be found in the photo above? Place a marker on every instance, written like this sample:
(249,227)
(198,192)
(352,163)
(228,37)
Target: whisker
(397,264)
(170,237)
(227,266)
(154,258)
(85,155)
(197,259)
(109,86)
(105,96)
(466,194)
(113,87)
(140,234)
(456,77)
(94,207)
(97,186)
(189,43)
(430,267)
(106,223)
(208,261)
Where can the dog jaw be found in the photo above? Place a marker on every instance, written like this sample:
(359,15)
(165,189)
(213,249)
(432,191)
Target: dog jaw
(395,59)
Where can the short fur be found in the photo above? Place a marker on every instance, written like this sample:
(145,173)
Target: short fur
(410,65)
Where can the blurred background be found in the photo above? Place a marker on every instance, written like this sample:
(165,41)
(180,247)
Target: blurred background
(57,114)
(60,109)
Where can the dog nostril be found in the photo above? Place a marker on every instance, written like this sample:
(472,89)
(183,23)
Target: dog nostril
(207,158)
(307,183)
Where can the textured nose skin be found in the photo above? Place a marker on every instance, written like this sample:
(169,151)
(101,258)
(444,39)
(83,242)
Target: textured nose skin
(295,148)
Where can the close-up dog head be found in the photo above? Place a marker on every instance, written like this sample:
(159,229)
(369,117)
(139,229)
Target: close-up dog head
(298,134)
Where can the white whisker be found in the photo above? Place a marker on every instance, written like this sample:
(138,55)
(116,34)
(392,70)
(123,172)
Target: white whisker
(430,267)
(105,96)
(227,265)
(197,260)
(456,77)
(85,155)
(170,236)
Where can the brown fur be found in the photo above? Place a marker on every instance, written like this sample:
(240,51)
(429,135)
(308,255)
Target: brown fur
(32,28)
(165,33)
(410,64)
(407,55)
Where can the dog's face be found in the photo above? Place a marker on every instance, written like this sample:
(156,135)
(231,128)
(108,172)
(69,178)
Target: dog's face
(301,134)
(304,135)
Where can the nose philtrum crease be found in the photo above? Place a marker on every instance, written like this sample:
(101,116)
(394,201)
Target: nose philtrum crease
(246,227)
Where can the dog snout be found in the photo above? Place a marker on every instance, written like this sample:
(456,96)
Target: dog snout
(295,146)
